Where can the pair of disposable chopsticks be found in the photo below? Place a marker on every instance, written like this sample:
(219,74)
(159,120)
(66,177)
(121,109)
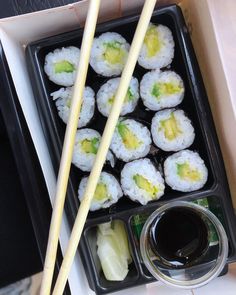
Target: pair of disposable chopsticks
(102,151)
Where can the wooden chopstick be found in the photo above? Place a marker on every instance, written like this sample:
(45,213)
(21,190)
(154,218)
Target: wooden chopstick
(104,146)
(68,147)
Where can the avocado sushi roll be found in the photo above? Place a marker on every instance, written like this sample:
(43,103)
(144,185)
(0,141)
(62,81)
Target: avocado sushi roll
(185,171)
(161,89)
(109,54)
(86,146)
(172,130)
(131,140)
(158,47)
(63,98)
(107,92)
(61,65)
(141,181)
(108,191)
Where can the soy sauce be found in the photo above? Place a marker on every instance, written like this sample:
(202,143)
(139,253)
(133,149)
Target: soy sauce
(179,237)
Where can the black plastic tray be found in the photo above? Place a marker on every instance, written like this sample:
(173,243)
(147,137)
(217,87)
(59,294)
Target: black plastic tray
(196,106)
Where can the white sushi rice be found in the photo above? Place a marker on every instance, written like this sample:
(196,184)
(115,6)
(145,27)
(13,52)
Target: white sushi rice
(107,92)
(146,169)
(98,61)
(84,161)
(63,99)
(195,162)
(114,191)
(183,139)
(69,54)
(157,101)
(164,56)
(143,136)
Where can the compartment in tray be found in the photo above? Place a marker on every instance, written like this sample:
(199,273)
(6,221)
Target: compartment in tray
(212,203)
(196,106)
(90,235)
(191,103)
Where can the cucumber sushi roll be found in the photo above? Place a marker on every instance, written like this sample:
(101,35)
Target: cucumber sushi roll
(185,171)
(86,146)
(108,191)
(160,90)
(131,140)
(61,65)
(109,54)
(141,181)
(63,98)
(172,130)
(158,47)
(107,92)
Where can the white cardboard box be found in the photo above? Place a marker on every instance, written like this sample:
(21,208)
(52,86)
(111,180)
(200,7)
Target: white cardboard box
(214,41)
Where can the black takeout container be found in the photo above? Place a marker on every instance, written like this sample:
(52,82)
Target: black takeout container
(195,104)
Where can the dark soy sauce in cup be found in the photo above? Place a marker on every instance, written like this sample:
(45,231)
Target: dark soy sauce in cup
(179,237)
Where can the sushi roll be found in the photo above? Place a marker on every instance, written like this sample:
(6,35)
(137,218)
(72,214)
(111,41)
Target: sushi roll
(107,92)
(61,65)
(141,181)
(160,90)
(109,54)
(131,140)
(172,130)
(86,146)
(63,98)
(185,171)
(158,47)
(108,191)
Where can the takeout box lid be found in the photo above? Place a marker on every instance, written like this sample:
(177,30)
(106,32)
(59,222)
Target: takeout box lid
(214,41)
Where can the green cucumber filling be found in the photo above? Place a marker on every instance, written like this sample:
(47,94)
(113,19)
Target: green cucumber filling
(63,67)
(152,41)
(145,184)
(185,172)
(114,54)
(169,88)
(129,97)
(129,139)
(90,146)
(170,127)
(101,193)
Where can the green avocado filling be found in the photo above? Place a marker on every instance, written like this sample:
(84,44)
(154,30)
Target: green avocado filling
(128,98)
(101,192)
(160,89)
(114,54)
(68,103)
(152,41)
(90,146)
(145,184)
(185,172)
(170,127)
(63,67)
(129,139)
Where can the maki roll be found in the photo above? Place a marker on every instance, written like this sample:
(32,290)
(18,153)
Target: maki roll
(172,130)
(63,98)
(107,92)
(141,181)
(86,146)
(185,171)
(131,140)
(109,54)
(160,90)
(108,191)
(61,65)
(158,47)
